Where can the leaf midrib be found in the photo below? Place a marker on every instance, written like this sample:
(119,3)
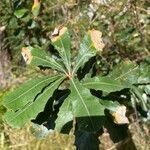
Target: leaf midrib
(126,73)
(104,83)
(82,101)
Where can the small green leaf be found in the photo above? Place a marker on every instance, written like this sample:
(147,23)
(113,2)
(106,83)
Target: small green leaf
(26,92)
(105,84)
(91,44)
(30,110)
(38,57)
(20,13)
(62,42)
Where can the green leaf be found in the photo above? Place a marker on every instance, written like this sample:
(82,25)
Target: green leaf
(144,76)
(91,44)
(138,93)
(29,111)
(110,105)
(26,92)
(126,72)
(38,57)
(20,13)
(62,42)
(65,114)
(147,89)
(84,105)
(105,84)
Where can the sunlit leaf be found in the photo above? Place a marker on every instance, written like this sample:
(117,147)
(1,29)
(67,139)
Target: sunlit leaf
(61,40)
(126,72)
(30,110)
(20,13)
(91,44)
(38,57)
(26,92)
(82,100)
(105,84)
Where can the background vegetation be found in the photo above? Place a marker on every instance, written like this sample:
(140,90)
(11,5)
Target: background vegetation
(126,33)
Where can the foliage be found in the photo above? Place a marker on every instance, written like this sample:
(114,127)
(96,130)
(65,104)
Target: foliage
(89,86)
(124,24)
(67,100)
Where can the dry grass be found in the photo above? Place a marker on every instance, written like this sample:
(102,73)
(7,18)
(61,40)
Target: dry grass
(22,139)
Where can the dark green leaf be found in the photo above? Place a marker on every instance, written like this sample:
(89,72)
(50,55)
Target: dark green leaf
(27,92)
(62,43)
(29,111)
(65,114)
(84,105)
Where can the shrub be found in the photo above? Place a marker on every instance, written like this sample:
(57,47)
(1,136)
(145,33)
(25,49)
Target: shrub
(76,97)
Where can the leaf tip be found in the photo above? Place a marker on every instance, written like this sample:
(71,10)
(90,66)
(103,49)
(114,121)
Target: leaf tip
(58,31)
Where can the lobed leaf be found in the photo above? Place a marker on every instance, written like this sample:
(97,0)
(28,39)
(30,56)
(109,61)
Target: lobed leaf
(26,93)
(29,111)
(91,44)
(38,57)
